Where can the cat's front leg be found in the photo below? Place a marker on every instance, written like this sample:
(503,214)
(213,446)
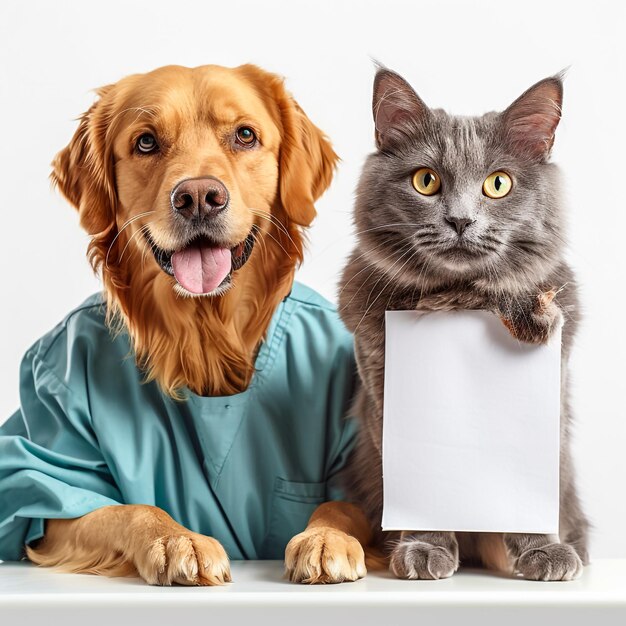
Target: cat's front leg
(541,557)
(425,555)
(533,320)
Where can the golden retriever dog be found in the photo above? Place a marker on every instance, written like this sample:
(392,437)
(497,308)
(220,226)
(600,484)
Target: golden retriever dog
(271,192)
(224,158)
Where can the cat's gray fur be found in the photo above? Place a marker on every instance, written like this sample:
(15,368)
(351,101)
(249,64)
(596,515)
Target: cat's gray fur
(407,257)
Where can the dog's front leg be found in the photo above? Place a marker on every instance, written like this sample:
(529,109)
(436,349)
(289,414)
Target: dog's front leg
(129,540)
(330,550)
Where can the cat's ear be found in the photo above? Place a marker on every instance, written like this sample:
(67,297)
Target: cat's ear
(531,121)
(396,107)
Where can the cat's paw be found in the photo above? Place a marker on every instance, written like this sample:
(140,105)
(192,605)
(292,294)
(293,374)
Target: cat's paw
(555,561)
(416,559)
(324,555)
(535,323)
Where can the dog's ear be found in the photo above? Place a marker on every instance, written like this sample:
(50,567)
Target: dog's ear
(83,170)
(307,158)
(307,162)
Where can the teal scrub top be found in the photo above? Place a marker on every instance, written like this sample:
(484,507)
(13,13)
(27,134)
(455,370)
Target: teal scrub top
(247,469)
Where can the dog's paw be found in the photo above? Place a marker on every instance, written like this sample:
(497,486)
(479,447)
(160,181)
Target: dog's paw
(324,555)
(555,561)
(416,559)
(186,559)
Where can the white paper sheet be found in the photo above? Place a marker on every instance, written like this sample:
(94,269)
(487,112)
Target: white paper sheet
(471,426)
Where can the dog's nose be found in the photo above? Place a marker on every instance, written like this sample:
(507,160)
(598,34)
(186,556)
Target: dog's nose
(459,223)
(199,197)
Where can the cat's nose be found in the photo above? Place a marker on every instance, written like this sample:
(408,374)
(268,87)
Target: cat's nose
(459,223)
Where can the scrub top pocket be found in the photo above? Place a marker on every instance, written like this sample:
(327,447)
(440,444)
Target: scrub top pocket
(293,504)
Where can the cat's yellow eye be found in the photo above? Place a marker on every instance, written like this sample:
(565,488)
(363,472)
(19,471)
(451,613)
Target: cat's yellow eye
(426,181)
(497,185)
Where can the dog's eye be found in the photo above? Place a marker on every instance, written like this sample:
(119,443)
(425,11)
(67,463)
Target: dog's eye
(147,143)
(246,136)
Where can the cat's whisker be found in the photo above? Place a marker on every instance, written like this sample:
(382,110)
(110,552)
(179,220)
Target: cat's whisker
(367,253)
(382,290)
(396,286)
(376,267)
(406,248)
(423,273)
(381,226)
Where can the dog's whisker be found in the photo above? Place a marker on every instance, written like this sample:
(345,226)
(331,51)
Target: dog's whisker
(281,229)
(272,219)
(138,231)
(144,253)
(150,110)
(124,226)
(278,242)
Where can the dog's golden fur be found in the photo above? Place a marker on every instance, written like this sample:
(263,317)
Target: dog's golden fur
(337,546)
(205,344)
(132,540)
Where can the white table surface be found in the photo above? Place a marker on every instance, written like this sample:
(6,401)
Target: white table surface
(259,594)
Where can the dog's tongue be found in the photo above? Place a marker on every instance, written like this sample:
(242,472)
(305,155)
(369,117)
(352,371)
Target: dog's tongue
(201,269)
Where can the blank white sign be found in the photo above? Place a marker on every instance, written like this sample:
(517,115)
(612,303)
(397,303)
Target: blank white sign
(471,425)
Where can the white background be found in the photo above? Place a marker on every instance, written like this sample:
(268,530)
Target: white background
(467,57)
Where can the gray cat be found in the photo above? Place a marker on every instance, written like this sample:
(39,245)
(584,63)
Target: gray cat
(461,213)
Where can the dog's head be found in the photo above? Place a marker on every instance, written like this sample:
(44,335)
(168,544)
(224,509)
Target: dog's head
(195,182)
(192,166)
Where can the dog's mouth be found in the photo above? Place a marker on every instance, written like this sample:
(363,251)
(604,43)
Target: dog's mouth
(202,266)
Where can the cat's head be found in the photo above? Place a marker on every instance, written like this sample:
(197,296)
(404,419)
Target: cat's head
(456,198)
